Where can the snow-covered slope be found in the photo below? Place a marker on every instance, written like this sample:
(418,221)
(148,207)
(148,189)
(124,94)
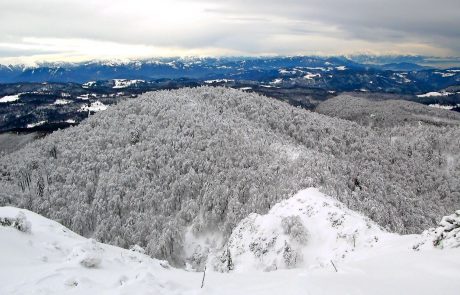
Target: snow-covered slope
(50,259)
(9,98)
(308,230)
(93,107)
(124,83)
(312,230)
(40,256)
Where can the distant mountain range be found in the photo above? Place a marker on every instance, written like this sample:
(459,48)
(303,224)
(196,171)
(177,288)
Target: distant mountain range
(171,68)
(263,69)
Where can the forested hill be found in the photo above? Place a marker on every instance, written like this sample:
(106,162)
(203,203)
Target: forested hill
(386,113)
(202,159)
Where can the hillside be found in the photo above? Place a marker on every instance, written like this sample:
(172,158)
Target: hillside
(40,256)
(386,113)
(308,230)
(171,164)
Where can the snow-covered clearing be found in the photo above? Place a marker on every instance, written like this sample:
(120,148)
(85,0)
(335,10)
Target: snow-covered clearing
(124,83)
(32,125)
(277,81)
(434,94)
(50,259)
(89,84)
(285,72)
(62,102)
(93,107)
(311,76)
(86,96)
(403,77)
(9,98)
(218,81)
(440,106)
(445,75)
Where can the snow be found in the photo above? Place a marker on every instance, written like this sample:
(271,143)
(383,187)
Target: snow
(369,259)
(445,107)
(32,125)
(277,81)
(310,76)
(446,235)
(9,98)
(51,259)
(288,151)
(123,83)
(89,84)
(316,68)
(93,107)
(62,102)
(332,233)
(70,121)
(434,94)
(285,72)
(445,75)
(403,77)
(218,81)
(197,247)
(83,97)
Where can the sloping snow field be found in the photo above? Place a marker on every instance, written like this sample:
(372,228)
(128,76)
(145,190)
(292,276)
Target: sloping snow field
(50,259)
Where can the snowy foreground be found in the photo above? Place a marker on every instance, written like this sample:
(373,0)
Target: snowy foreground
(40,256)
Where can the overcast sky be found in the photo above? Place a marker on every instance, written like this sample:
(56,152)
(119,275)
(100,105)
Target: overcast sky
(69,30)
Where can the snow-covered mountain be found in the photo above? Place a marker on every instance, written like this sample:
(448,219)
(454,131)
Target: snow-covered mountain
(153,169)
(343,252)
(312,230)
(309,229)
(329,73)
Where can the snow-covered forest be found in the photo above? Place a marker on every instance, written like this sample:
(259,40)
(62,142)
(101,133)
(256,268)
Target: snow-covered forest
(378,112)
(148,170)
(327,248)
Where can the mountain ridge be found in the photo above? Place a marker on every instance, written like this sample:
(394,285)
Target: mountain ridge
(146,169)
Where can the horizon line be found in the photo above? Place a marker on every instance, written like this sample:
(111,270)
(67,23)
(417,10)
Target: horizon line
(427,59)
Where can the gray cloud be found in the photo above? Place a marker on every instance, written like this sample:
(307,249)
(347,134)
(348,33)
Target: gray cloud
(239,26)
(13,52)
(360,17)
